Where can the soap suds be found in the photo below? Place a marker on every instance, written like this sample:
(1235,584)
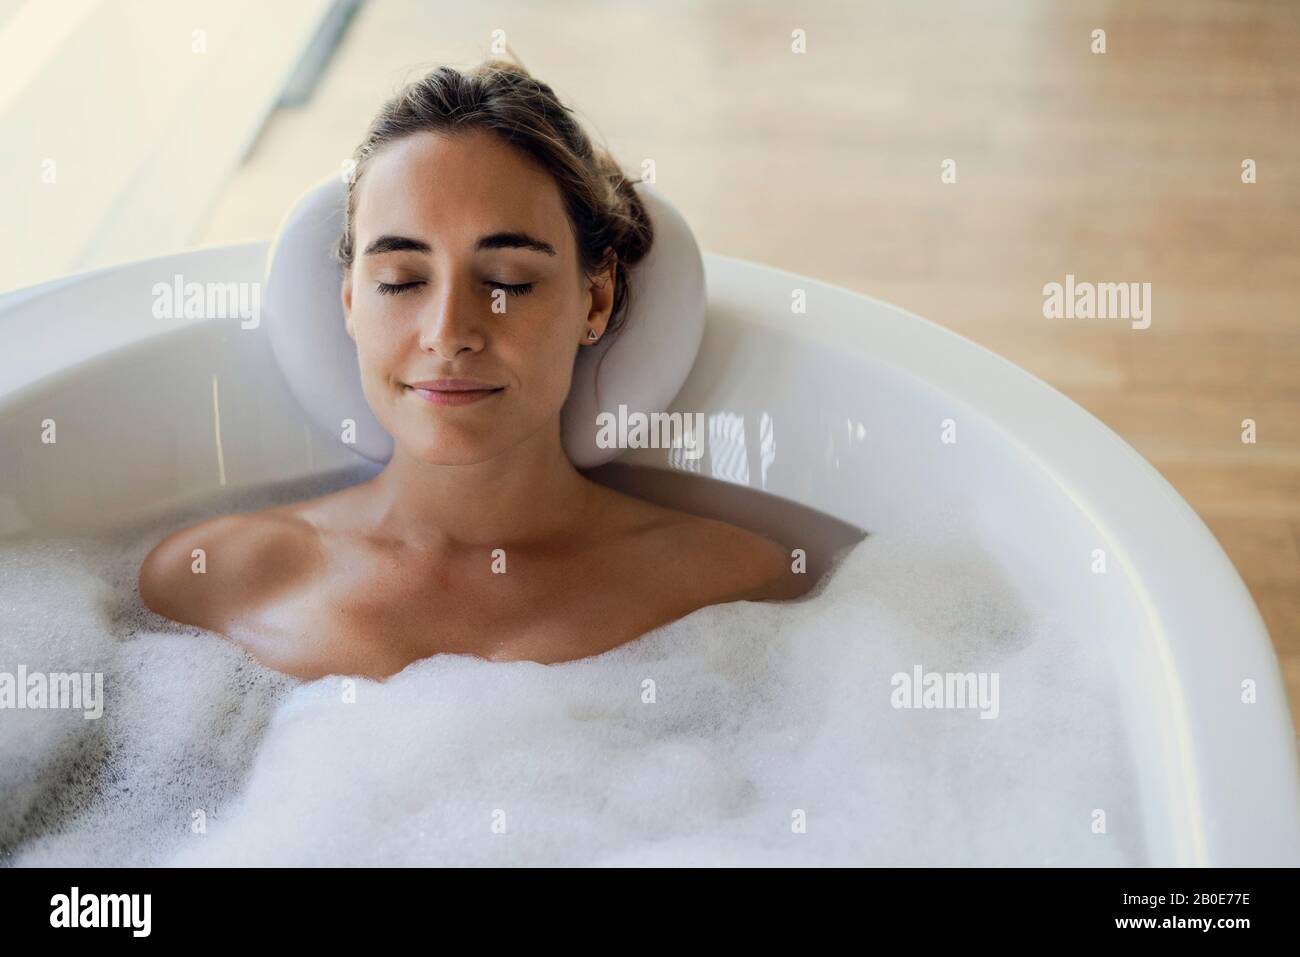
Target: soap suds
(745,733)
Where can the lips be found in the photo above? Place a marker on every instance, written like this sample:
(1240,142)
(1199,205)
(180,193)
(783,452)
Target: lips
(454,385)
(454,391)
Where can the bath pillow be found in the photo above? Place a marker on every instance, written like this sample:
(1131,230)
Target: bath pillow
(642,367)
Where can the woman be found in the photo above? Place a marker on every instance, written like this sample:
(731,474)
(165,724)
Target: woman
(486,241)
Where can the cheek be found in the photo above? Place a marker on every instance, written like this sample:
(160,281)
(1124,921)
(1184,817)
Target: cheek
(377,343)
(378,349)
(542,353)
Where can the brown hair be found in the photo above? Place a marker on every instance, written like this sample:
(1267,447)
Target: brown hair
(501,96)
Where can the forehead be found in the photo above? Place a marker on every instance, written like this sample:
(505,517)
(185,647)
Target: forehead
(451,189)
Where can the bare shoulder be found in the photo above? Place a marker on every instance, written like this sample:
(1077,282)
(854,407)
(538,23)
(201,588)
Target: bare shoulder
(205,574)
(710,560)
(716,561)
(748,566)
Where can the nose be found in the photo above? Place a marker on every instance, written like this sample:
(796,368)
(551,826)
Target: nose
(450,324)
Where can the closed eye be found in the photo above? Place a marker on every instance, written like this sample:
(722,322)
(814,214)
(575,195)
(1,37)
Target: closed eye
(393,289)
(518,289)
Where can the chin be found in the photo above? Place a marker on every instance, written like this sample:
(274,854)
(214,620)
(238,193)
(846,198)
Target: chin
(457,449)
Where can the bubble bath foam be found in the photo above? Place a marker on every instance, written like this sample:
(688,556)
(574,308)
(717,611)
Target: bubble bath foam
(747,733)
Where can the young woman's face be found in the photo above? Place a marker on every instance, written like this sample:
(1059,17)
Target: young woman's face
(466,267)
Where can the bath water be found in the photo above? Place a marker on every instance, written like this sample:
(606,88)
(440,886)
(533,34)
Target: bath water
(744,733)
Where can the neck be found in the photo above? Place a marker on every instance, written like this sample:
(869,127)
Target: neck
(528,493)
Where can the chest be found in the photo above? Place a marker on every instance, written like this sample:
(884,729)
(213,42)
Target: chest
(373,613)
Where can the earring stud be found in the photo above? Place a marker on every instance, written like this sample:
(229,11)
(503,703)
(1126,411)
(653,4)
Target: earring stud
(591,335)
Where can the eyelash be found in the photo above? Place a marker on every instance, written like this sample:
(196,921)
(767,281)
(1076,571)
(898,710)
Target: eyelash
(394,289)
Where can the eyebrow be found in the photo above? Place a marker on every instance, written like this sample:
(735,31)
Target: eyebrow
(393,244)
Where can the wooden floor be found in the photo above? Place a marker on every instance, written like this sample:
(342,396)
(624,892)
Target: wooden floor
(1115,167)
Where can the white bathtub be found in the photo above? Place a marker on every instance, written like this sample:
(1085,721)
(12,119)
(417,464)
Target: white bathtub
(837,410)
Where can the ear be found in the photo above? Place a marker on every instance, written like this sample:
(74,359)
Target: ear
(347,302)
(602,298)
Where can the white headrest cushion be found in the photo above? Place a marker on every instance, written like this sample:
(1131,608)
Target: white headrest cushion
(643,366)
